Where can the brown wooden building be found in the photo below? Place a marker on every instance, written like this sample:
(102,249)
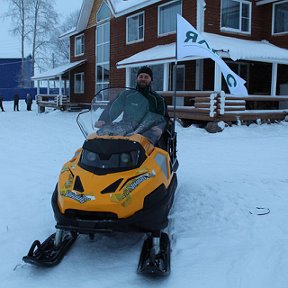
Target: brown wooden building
(113,38)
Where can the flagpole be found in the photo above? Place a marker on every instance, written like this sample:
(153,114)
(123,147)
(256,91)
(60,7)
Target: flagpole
(175,79)
(175,92)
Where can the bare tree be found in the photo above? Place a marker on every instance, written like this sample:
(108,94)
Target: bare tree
(61,46)
(19,14)
(36,23)
(43,23)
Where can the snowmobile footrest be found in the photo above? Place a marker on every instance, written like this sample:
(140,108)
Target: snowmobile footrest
(47,254)
(155,264)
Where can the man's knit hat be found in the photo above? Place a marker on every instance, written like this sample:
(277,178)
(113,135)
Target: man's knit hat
(147,70)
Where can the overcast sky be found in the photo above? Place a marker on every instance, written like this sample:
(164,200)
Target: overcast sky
(10,46)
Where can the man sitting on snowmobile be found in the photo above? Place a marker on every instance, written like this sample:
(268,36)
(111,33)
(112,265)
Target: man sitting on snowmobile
(135,108)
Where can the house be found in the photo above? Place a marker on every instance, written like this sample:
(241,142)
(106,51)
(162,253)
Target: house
(11,81)
(114,37)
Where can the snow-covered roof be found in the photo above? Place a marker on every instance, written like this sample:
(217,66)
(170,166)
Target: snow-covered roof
(152,56)
(122,7)
(83,19)
(68,33)
(85,12)
(227,47)
(161,53)
(236,49)
(58,71)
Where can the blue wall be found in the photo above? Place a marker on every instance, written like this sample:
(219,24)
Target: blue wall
(8,93)
(10,71)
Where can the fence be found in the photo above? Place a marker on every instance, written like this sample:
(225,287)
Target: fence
(196,105)
(217,106)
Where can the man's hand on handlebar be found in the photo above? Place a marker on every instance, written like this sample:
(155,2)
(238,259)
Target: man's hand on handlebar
(99,124)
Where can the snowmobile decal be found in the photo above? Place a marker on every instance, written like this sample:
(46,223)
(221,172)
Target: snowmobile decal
(68,183)
(78,197)
(64,169)
(129,187)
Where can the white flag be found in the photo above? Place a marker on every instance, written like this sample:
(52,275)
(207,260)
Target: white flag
(191,43)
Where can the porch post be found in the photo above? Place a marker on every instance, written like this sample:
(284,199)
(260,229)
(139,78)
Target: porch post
(217,78)
(65,87)
(48,87)
(60,85)
(165,77)
(38,87)
(199,74)
(201,7)
(127,76)
(274,79)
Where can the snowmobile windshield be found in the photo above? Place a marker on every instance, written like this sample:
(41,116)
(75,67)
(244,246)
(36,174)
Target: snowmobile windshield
(116,112)
(119,112)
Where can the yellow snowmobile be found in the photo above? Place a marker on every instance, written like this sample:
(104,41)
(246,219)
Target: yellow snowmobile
(120,180)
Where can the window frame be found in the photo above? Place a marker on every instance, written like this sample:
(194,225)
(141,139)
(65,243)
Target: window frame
(273,22)
(82,83)
(127,28)
(99,10)
(158,20)
(233,30)
(81,36)
(101,62)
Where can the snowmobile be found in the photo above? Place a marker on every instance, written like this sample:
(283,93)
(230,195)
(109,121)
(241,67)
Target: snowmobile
(118,181)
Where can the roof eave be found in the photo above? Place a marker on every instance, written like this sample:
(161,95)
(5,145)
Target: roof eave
(263,2)
(131,9)
(57,74)
(83,18)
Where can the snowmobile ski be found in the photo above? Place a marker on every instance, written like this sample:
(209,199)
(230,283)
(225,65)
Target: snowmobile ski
(48,254)
(155,256)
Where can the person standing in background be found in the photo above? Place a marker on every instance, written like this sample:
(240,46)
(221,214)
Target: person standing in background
(16,102)
(28,101)
(1,103)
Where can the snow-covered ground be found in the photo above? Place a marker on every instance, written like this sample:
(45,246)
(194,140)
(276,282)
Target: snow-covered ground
(218,239)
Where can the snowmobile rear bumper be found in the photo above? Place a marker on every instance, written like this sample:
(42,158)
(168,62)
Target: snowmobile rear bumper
(153,216)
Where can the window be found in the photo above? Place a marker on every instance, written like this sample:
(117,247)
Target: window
(135,28)
(102,56)
(280,18)
(102,49)
(103,13)
(79,45)
(167,17)
(180,79)
(79,83)
(236,16)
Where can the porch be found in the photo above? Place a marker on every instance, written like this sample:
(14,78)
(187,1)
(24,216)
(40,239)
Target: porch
(57,95)
(216,106)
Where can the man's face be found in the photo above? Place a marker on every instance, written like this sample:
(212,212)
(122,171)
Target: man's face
(143,80)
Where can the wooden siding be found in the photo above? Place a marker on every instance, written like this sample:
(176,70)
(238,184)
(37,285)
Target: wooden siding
(95,8)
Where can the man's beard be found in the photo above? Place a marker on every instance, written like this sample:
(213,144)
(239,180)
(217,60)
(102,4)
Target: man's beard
(142,84)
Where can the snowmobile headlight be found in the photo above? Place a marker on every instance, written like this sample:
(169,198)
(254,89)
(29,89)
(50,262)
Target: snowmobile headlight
(91,156)
(125,157)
